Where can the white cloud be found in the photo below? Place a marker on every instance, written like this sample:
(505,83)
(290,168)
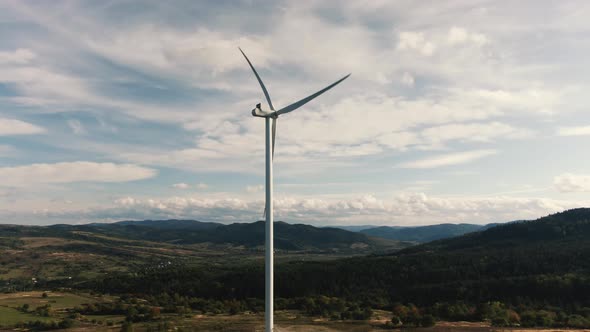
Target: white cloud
(408,79)
(574,131)
(402,209)
(255,189)
(460,35)
(386,123)
(17,127)
(471,80)
(78,171)
(76,127)
(569,182)
(448,159)
(473,132)
(409,40)
(19,56)
(182,185)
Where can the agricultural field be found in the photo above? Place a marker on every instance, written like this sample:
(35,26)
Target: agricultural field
(24,307)
(11,316)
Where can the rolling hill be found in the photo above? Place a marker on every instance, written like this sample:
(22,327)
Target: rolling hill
(78,253)
(423,233)
(167,224)
(188,232)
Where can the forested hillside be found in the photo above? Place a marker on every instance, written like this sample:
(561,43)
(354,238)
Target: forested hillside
(423,233)
(185,232)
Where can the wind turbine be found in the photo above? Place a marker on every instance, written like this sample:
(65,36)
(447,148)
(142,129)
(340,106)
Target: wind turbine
(270,114)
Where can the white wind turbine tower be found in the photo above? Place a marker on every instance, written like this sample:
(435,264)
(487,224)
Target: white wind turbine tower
(269,115)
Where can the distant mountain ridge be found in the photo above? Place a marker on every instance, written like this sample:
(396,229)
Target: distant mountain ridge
(418,234)
(298,237)
(170,224)
(352,228)
(423,234)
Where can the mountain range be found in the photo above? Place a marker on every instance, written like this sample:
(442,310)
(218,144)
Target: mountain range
(291,237)
(423,234)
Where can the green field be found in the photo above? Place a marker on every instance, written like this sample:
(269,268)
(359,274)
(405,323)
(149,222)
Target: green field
(11,316)
(57,300)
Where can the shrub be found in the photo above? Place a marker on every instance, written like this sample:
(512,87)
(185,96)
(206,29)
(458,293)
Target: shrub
(427,320)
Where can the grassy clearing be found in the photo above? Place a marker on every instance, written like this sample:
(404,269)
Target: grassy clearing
(105,318)
(11,316)
(38,242)
(57,300)
(290,321)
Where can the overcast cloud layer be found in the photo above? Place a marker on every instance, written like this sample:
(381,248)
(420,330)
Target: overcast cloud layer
(460,111)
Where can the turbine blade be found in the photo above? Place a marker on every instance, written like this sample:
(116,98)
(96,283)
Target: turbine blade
(259,81)
(264,213)
(305,100)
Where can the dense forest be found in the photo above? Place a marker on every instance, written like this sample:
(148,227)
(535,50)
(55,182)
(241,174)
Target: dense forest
(423,234)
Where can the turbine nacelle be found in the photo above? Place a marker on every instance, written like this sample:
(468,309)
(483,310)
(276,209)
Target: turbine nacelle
(263,113)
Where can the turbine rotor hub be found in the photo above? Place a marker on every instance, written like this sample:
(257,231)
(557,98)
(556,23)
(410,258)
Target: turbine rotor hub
(261,112)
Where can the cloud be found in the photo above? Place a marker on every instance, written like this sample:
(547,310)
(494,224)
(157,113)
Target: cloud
(255,189)
(17,127)
(448,159)
(79,171)
(76,127)
(182,185)
(19,56)
(473,132)
(574,131)
(403,209)
(460,35)
(424,78)
(568,182)
(409,40)
(408,79)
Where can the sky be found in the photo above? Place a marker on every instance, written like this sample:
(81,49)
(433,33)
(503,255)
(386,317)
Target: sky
(457,111)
